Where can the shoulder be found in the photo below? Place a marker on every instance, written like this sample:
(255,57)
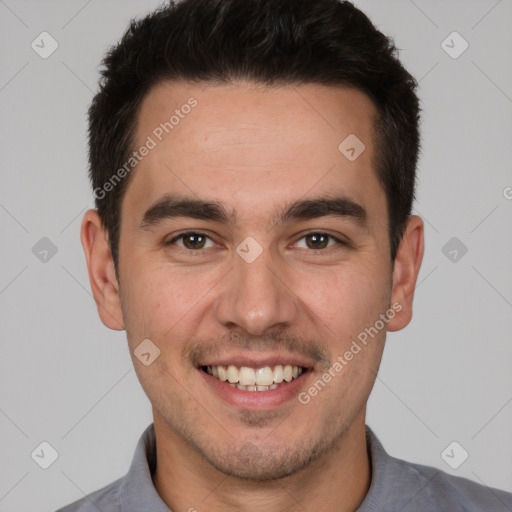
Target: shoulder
(105,499)
(134,491)
(426,488)
(409,487)
(440,488)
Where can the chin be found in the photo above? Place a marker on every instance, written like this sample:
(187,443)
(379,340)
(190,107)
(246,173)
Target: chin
(263,463)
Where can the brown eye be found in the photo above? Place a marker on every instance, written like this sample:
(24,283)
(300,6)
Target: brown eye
(194,241)
(191,240)
(319,241)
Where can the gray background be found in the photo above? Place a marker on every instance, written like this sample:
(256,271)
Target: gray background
(68,380)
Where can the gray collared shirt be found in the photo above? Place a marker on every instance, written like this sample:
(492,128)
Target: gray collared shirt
(396,485)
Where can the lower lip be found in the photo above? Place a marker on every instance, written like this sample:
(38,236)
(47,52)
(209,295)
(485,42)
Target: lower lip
(256,400)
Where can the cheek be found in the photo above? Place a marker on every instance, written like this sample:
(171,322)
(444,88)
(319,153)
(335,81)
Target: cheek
(159,301)
(346,299)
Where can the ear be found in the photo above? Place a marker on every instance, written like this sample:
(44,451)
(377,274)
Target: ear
(100,265)
(405,272)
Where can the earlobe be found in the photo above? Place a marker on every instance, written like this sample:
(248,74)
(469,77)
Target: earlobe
(100,266)
(405,272)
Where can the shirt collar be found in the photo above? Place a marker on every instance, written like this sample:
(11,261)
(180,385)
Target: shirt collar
(137,491)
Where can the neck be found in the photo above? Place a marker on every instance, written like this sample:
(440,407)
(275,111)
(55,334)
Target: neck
(337,481)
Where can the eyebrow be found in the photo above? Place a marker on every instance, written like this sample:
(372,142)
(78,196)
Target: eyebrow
(172,206)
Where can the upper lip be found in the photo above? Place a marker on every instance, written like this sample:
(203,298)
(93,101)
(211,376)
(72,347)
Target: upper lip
(255,361)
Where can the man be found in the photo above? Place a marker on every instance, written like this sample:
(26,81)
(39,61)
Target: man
(253,164)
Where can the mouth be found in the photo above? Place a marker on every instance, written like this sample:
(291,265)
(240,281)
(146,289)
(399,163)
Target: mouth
(262,378)
(256,382)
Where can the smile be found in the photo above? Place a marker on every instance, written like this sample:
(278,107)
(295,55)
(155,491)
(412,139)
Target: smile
(245,378)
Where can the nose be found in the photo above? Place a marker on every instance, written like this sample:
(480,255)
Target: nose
(256,296)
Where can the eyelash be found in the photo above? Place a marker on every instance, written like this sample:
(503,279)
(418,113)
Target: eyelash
(185,233)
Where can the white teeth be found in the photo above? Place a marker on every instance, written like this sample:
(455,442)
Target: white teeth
(223,373)
(233,374)
(264,376)
(251,379)
(247,376)
(278,374)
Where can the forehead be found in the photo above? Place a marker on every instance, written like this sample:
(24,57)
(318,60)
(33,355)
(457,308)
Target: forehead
(244,143)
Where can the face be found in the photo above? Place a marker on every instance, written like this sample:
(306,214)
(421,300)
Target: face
(250,241)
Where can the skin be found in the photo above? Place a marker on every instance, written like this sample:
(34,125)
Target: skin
(256,149)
